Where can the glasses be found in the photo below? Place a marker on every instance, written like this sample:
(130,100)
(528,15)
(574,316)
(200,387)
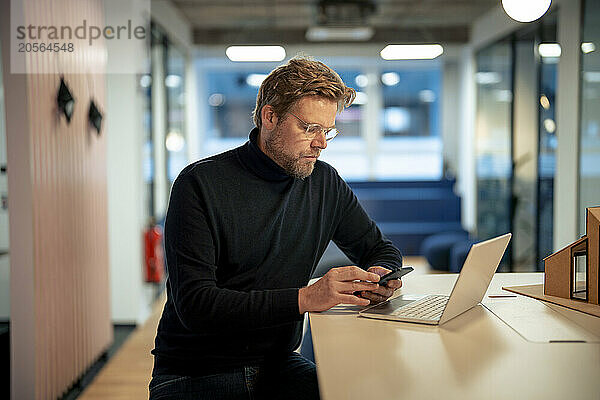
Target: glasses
(312,130)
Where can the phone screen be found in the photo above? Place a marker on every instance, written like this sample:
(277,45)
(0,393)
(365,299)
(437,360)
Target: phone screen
(395,275)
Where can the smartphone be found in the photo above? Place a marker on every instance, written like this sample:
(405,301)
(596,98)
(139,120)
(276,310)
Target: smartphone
(394,275)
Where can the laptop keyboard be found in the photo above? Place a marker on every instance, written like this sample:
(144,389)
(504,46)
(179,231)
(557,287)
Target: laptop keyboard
(427,308)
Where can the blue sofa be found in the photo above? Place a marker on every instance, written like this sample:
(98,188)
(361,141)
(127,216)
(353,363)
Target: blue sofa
(407,212)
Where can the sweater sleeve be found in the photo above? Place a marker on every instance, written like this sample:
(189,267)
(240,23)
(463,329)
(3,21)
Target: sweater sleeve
(358,236)
(190,253)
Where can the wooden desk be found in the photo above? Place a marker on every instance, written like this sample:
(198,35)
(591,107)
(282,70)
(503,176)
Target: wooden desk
(474,356)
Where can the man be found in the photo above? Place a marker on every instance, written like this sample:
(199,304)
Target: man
(243,233)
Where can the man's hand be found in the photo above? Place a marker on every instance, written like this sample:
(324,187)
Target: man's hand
(382,292)
(337,287)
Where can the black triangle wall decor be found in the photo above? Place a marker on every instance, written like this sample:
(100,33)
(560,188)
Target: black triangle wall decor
(65,100)
(95,117)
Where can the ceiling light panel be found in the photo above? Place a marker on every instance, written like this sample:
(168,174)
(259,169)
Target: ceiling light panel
(255,53)
(411,51)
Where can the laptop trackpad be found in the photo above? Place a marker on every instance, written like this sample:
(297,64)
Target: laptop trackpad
(390,306)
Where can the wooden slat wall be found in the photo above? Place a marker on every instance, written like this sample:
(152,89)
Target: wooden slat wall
(70,311)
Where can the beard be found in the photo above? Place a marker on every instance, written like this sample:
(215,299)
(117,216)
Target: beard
(294,165)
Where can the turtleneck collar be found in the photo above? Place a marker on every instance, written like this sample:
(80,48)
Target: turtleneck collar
(258,162)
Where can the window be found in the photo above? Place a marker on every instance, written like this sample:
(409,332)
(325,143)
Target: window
(231,97)
(349,120)
(410,102)
(579,272)
(391,131)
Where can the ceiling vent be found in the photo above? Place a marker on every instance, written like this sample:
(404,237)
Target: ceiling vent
(344,12)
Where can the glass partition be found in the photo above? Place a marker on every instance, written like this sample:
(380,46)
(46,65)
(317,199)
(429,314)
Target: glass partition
(515,142)
(493,140)
(589,161)
(547,128)
(165,143)
(175,140)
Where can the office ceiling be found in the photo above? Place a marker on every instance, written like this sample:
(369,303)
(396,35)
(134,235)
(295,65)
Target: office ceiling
(286,21)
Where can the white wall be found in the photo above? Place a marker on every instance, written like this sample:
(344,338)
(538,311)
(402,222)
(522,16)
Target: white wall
(131,297)
(126,210)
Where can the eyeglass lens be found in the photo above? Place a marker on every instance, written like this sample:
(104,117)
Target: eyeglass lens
(314,130)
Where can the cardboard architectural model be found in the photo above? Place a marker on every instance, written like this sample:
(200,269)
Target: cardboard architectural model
(574,272)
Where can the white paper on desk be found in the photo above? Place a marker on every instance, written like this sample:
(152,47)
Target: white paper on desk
(536,322)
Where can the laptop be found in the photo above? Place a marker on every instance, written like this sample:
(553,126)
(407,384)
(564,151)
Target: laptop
(470,287)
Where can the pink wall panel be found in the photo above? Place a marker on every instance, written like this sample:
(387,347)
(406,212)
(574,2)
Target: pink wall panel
(65,173)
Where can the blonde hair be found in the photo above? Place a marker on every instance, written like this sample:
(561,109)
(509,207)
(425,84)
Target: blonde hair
(300,77)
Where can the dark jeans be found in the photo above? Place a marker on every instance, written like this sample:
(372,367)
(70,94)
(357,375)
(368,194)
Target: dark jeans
(288,377)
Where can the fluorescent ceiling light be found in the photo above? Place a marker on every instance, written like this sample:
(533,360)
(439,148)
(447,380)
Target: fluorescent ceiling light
(488,78)
(588,47)
(411,51)
(390,78)
(526,10)
(332,34)
(547,50)
(255,53)
(255,80)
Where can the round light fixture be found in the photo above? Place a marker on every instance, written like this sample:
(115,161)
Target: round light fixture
(216,100)
(173,81)
(174,141)
(526,11)
(545,102)
(390,78)
(549,125)
(361,80)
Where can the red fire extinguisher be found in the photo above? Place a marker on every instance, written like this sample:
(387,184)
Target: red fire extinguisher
(154,258)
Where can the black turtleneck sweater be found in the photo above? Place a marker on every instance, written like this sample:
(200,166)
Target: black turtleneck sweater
(241,237)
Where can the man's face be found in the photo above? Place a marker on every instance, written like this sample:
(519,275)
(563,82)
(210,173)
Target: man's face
(287,143)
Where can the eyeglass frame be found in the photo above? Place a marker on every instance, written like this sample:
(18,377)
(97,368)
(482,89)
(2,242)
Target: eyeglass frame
(324,130)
